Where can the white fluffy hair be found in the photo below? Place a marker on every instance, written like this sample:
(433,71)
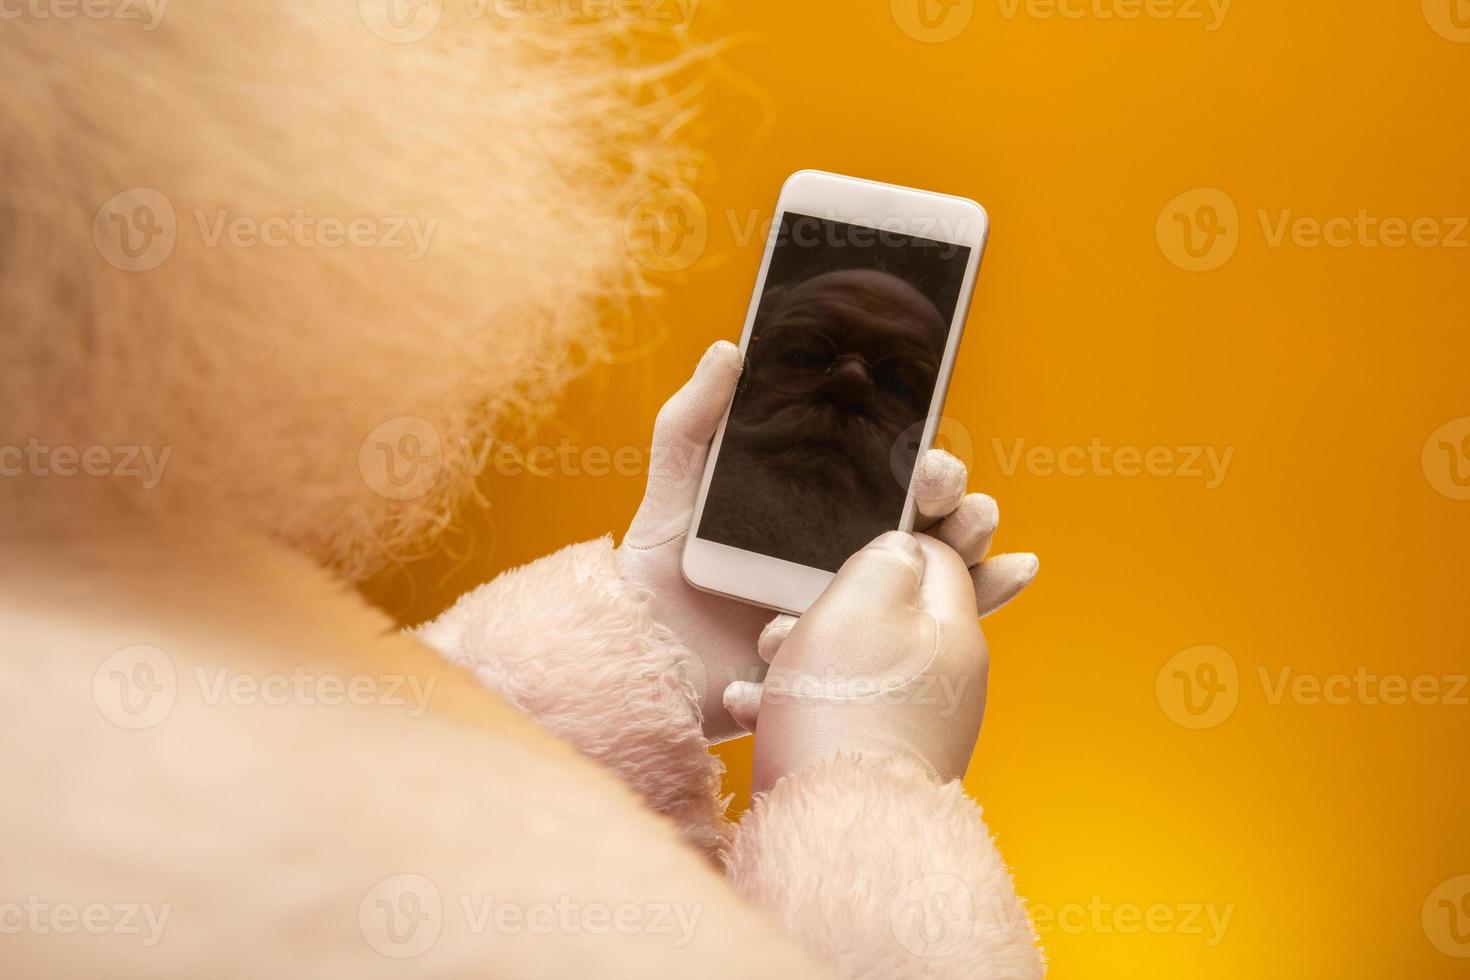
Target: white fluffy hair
(261,370)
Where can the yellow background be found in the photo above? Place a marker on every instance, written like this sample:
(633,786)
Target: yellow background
(1320,829)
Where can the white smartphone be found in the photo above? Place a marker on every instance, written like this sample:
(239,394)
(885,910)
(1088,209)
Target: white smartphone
(849,344)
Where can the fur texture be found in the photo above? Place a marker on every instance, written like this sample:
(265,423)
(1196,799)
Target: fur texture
(885,873)
(567,641)
(263,369)
(278,836)
(877,866)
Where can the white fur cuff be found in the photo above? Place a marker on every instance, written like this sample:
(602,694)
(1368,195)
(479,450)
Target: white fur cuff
(566,640)
(886,873)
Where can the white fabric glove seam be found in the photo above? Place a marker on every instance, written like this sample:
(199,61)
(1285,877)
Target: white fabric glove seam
(650,547)
(860,699)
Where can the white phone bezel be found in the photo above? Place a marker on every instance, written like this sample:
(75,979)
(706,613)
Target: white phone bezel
(774,582)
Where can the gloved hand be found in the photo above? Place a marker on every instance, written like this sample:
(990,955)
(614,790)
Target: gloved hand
(889,661)
(722,634)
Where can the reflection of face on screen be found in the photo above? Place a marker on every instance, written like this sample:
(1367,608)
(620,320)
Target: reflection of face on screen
(841,366)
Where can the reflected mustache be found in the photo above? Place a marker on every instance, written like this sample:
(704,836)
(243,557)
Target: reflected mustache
(813,422)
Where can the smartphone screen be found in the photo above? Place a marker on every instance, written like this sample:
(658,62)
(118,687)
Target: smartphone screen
(843,359)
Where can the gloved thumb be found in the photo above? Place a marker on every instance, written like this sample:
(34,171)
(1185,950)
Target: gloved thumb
(681,440)
(883,577)
(688,420)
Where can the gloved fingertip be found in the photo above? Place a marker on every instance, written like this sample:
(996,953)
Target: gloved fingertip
(940,465)
(1001,579)
(721,356)
(939,483)
(693,413)
(773,635)
(987,511)
(902,544)
(743,700)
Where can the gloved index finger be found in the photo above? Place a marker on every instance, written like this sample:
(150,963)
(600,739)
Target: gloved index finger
(947,591)
(939,483)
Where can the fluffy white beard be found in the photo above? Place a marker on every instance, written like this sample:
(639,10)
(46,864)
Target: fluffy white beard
(262,370)
(776,494)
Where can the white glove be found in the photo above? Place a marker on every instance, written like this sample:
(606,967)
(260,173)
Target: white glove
(889,661)
(722,634)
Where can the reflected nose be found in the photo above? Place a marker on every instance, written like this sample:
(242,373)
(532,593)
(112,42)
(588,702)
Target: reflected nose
(849,385)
